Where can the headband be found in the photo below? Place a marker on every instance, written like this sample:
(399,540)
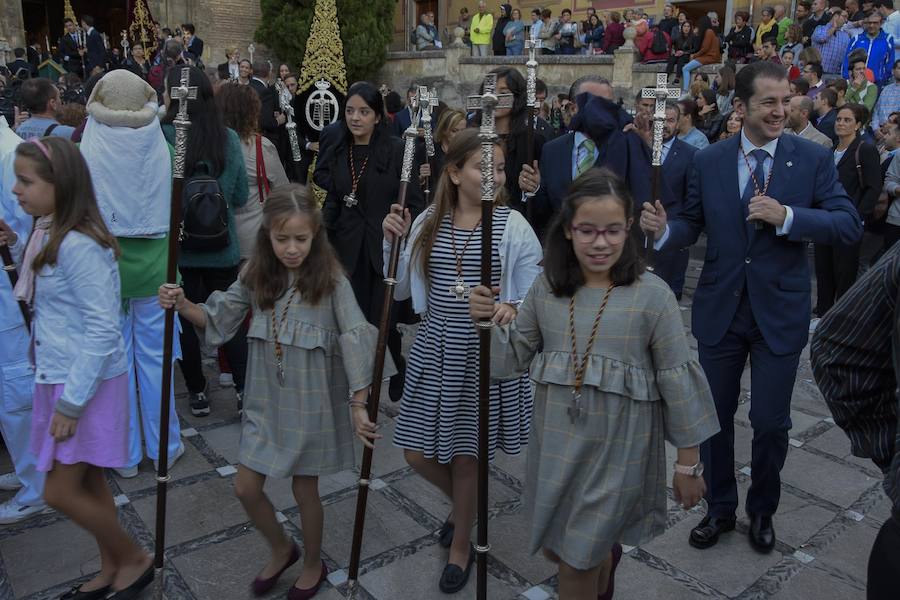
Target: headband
(40,145)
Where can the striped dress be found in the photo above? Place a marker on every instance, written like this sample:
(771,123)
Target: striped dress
(439,409)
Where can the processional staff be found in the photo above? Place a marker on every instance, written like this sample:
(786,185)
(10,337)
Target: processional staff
(487,103)
(531,91)
(284,99)
(427,101)
(181,94)
(10,267)
(662,92)
(387,304)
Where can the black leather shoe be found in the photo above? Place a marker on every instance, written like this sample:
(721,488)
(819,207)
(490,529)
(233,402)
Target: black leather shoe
(762,533)
(76,594)
(454,578)
(134,590)
(706,533)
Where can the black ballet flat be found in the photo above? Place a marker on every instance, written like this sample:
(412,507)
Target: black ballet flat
(76,594)
(445,534)
(454,578)
(134,590)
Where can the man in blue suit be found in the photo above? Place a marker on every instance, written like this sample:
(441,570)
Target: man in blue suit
(598,138)
(94,52)
(677,155)
(759,197)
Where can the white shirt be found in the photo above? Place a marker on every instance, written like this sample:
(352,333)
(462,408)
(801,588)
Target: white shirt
(891,26)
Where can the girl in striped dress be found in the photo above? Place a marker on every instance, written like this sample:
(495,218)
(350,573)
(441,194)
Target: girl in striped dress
(437,426)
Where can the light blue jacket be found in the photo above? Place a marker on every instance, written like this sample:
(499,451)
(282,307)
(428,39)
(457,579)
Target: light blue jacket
(77,334)
(520,263)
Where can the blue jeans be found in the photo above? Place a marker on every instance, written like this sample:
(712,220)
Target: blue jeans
(514,48)
(686,74)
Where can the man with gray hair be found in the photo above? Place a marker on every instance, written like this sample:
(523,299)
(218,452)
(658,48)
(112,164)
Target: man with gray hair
(480,32)
(801,107)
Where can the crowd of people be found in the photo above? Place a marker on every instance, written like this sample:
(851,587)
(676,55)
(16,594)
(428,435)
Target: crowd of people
(287,294)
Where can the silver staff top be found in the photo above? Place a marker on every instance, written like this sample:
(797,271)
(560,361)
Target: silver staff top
(662,92)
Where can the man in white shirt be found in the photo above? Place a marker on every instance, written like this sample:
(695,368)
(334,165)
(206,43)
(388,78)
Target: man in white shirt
(891,25)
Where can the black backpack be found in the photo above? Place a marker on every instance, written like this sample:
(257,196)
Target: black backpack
(204,213)
(659,44)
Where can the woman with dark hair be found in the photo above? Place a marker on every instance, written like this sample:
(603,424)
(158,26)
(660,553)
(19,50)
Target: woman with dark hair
(511,125)
(683,45)
(214,150)
(725,88)
(240,106)
(245,72)
(614,379)
(361,176)
(859,171)
(615,33)
(708,53)
(710,118)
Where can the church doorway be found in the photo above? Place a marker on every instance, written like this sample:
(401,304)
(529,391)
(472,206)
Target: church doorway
(43,19)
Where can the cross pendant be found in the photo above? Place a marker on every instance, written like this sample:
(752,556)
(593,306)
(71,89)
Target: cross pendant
(575,410)
(350,200)
(460,289)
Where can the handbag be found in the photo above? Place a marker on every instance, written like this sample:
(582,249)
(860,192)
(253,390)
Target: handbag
(262,181)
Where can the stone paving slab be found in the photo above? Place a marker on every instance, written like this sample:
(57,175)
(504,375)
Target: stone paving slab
(830,512)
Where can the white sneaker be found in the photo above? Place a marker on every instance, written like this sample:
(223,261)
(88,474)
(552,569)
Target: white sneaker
(13,512)
(813,324)
(226,380)
(9,482)
(127,472)
(172,459)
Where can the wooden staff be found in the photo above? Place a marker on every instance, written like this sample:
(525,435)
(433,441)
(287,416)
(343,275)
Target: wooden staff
(531,87)
(487,103)
(387,304)
(181,94)
(10,267)
(661,93)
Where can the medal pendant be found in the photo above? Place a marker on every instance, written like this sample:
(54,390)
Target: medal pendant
(460,289)
(575,409)
(280,372)
(350,200)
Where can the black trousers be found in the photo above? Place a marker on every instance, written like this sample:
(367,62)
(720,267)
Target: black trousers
(891,235)
(198,284)
(676,63)
(884,561)
(836,271)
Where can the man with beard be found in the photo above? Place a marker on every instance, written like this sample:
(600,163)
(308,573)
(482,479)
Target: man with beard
(596,138)
(753,296)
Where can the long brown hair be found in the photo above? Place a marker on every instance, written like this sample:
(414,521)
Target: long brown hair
(446,196)
(266,276)
(74,205)
(240,106)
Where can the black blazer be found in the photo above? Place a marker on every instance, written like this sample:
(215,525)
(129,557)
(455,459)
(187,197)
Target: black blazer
(68,52)
(269,99)
(826,125)
(357,229)
(674,175)
(196,48)
(862,184)
(95,56)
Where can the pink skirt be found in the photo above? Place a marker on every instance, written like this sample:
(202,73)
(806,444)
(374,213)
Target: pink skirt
(101,436)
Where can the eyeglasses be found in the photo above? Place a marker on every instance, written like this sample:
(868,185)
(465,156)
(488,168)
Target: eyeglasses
(587,234)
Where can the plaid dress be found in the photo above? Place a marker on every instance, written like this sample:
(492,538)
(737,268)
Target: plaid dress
(303,427)
(601,479)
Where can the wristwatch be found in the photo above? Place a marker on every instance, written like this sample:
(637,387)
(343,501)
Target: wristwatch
(694,471)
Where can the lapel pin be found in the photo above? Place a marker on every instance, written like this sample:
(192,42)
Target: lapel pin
(789,163)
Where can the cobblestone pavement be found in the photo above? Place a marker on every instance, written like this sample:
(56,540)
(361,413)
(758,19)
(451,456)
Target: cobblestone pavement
(831,508)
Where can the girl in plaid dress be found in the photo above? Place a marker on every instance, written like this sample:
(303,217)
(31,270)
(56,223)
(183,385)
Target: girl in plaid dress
(310,348)
(614,379)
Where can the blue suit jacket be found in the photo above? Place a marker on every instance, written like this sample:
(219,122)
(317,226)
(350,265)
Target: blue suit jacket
(676,170)
(772,270)
(96,52)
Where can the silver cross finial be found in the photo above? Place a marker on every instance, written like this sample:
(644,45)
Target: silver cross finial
(662,93)
(182,95)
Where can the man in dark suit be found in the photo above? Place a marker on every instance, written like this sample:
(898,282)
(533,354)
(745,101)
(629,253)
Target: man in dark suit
(20,67)
(403,118)
(597,139)
(677,155)
(94,52)
(825,103)
(753,296)
(193,44)
(68,49)
(270,117)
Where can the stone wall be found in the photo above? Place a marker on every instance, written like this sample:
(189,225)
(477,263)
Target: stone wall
(455,74)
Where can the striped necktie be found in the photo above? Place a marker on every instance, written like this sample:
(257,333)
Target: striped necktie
(585,155)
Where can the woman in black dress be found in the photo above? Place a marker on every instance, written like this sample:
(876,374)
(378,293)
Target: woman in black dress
(361,176)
